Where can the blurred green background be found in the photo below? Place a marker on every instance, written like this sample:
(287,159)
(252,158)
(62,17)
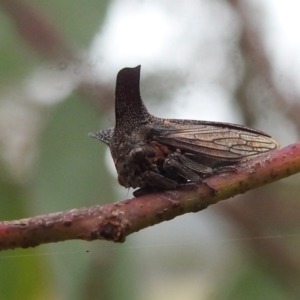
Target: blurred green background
(54,90)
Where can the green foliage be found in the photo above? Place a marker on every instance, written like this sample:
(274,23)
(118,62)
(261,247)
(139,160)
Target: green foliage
(72,170)
(23,276)
(16,59)
(255,283)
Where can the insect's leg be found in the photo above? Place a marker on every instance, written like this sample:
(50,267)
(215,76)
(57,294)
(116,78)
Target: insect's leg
(191,164)
(155,183)
(225,169)
(144,191)
(173,164)
(155,179)
(202,169)
(175,168)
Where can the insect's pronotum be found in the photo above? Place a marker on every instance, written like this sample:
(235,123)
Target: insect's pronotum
(153,154)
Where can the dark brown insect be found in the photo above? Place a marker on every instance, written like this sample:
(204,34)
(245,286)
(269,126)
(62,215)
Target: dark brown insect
(154,154)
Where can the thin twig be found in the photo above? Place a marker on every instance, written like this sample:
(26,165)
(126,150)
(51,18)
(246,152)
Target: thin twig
(116,221)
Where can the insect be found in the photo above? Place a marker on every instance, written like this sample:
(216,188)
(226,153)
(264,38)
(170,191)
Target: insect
(155,154)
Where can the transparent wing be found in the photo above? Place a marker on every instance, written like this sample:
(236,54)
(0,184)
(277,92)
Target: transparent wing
(222,143)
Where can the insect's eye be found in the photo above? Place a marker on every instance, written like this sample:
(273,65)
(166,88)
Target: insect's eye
(137,152)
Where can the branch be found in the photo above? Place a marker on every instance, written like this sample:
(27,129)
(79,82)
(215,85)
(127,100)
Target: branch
(259,65)
(116,221)
(36,30)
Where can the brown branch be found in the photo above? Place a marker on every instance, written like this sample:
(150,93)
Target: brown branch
(116,221)
(39,33)
(258,65)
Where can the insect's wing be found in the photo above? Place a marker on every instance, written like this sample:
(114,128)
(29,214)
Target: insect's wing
(214,140)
